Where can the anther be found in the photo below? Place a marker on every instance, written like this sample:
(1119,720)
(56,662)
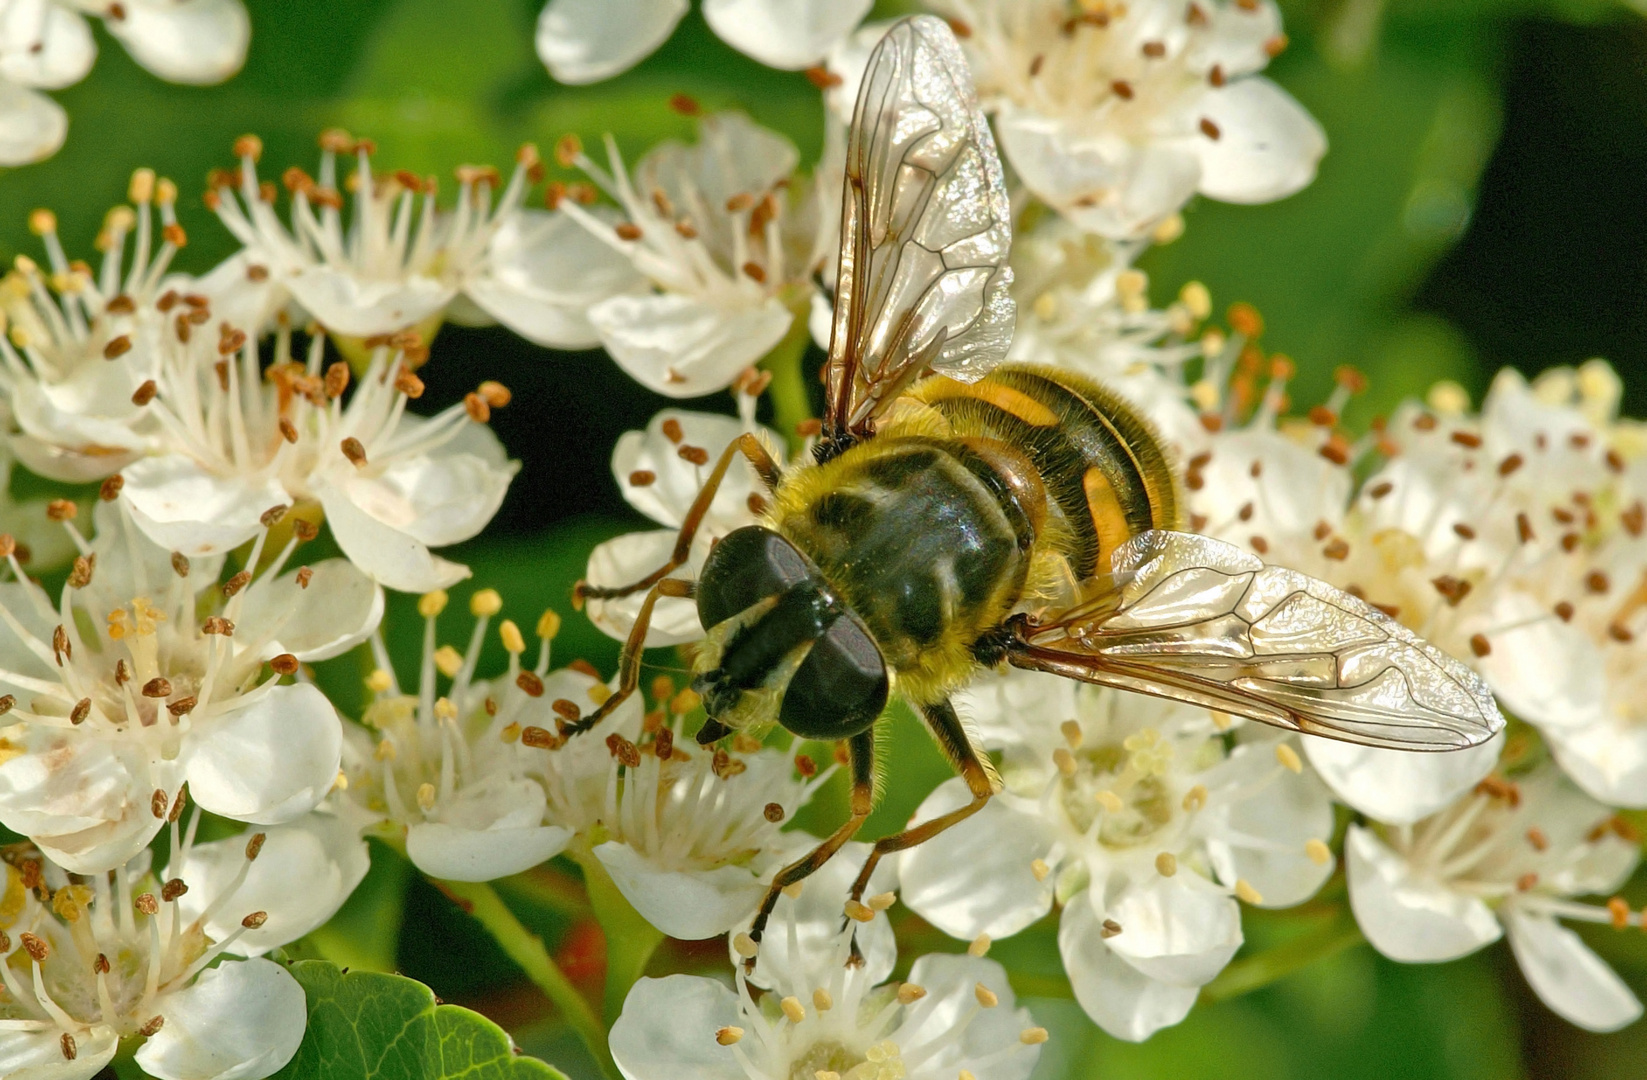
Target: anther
(728,1035)
(426,796)
(354,451)
(255,920)
(1480,646)
(62,510)
(821,1000)
(642,478)
(1033,1036)
(1064,760)
(793,1009)
(1210,129)
(1071,730)
(1166,864)
(1317,852)
(70,1052)
(284,664)
(1246,893)
(745,946)
(1536,837)
(1288,757)
(858,912)
(1526,882)
(539,738)
(36,948)
(157,804)
(1109,801)
(986,997)
(152,1027)
(147,904)
(182,706)
(882,901)
(773,812)
(81,710)
(1122,89)
(239,581)
(909,993)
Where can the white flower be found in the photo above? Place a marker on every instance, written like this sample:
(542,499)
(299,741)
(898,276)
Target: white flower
(585,41)
(401,263)
(1503,861)
(79,344)
(695,832)
(46,45)
(728,237)
(89,961)
(1128,812)
(467,775)
(144,677)
(660,471)
(1117,116)
(820,1015)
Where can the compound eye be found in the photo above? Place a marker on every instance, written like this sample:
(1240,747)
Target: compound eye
(841,686)
(747,566)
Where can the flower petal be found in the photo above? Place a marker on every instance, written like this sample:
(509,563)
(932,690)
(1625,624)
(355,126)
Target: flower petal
(1179,930)
(241,1019)
(542,273)
(787,34)
(43,45)
(1268,145)
(585,41)
(671,483)
(183,508)
(1407,916)
(456,853)
(629,558)
(683,347)
(392,557)
(990,1044)
(303,873)
(84,801)
(32,125)
(1396,786)
(687,904)
(975,878)
(336,610)
(185,41)
(1262,839)
(440,498)
(38,1055)
(1608,759)
(1567,976)
(668,1029)
(362,307)
(1120,999)
(268,756)
(815,917)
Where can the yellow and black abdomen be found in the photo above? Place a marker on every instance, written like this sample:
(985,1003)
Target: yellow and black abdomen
(1101,463)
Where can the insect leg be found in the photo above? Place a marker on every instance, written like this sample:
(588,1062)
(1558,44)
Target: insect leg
(861,755)
(629,660)
(980,780)
(753,452)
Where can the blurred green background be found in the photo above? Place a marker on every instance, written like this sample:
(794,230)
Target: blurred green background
(1482,204)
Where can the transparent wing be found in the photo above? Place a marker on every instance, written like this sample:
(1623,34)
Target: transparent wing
(925,228)
(1198,620)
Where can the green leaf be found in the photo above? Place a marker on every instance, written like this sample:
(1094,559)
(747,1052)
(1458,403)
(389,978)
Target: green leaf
(366,1025)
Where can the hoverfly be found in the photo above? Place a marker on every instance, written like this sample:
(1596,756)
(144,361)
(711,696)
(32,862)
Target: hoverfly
(962,516)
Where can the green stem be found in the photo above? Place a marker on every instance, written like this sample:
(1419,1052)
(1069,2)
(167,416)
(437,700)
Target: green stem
(630,939)
(526,949)
(790,403)
(1261,969)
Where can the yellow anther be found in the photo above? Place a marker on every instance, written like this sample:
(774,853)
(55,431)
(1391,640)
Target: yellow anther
(513,643)
(1448,398)
(821,1000)
(979,946)
(1319,853)
(379,681)
(1221,720)
(1040,869)
(1196,299)
(1166,864)
(793,890)
(448,661)
(548,624)
(1170,228)
(385,751)
(909,993)
(965,1075)
(1195,798)
(1246,893)
(685,701)
(42,222)
(882,901)
(728,1035)
(141,189)
(858,912)
(745,946)
(426,796)
(599,693)
(1065,760)
(1109,801)
(342,781)
(1045,306)
(793,1009)
(1288,757)
(510,733)
(885,1050)
(431,604)
(444,709)
(485,603)
(986,997)
(1033,1036)
(1072,733)
(165,192)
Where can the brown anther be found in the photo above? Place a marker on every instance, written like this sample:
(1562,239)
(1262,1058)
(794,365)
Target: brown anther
(1480,645)
(337,379)
(122,673)
(1564,611)
(1536,837)
(408,384)
(273,515)
(756,504)
(1215,76)
(566,709)
(100,966)
(1570,542)
(1338,550)
(152,1027)
(1321,416)
(1155,49)
(1122,89)
(81,710)
(1109,928)
(1526,882)
(1336,449)
(584,667)
(822,78)
(182,706)
(60,646)
(1210,129)
(755,272)
(354,451)
(672,430)
(1260,545)
(147,904)
(1426,422)
(1563,515)
(1523,528)
(284,664)
(1452,589)
(7,703)
(1276,45)
(740,202)
(530,683)
(305,530)
(476,407)
(109,490)
(774,812)
(685,104)
(627,230)
(62,510)
(173,889)
(256,272)
(1496,787)
(158,803)
(540,739)
(806,766)
(1597,582)
(255,920)
(81,574)
(642,478)
(65,1042)
(1463,531)
(1467,439)
(217,624)
(145,393)
(239,581)
(696,455)
(37,949)
(1510,464)
(120,305)
(117,347)
(494,393)
(1614,460)
(1620,633)
(1578,440)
